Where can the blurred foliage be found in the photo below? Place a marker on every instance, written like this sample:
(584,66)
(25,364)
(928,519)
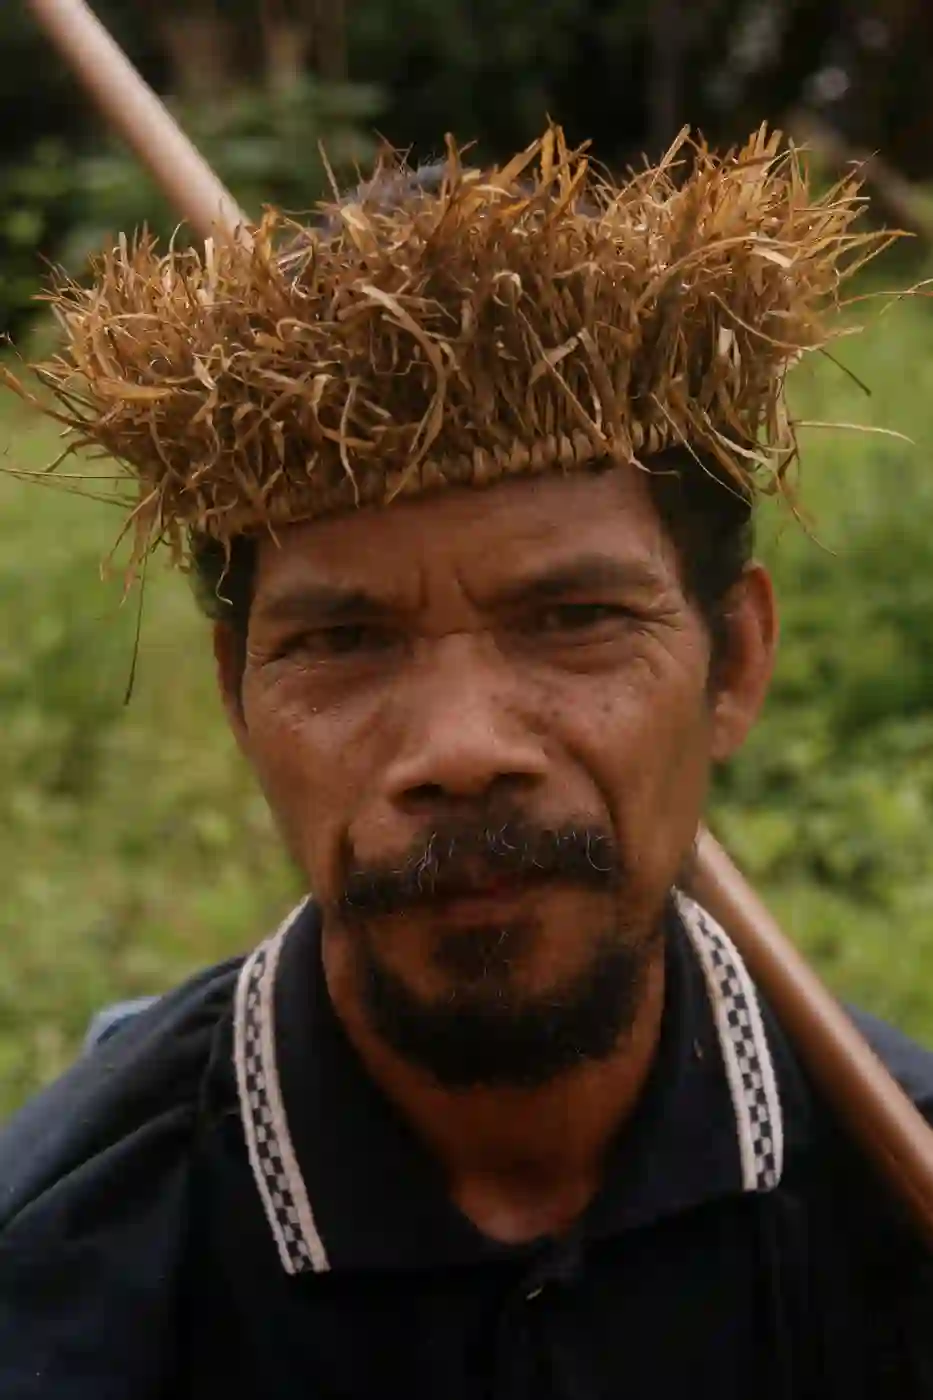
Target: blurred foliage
(830,805)
(135,846)
(39,202)
(265,146)
(257,82)
(488,70)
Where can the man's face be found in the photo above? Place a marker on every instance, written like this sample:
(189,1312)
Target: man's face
(484,723)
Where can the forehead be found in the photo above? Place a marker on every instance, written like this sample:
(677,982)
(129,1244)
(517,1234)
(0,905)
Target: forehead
(484,538)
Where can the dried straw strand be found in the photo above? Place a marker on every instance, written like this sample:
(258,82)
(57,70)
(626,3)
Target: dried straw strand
(537,317)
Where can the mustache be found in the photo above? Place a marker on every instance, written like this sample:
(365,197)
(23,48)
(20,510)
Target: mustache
(462,858)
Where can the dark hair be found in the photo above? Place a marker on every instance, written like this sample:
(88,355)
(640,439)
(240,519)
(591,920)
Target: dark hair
(708,517)
(710,520)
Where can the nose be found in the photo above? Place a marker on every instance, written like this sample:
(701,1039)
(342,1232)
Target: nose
(466,734)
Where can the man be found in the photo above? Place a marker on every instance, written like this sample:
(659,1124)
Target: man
(466,475)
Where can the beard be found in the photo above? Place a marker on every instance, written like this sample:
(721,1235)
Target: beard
(484,1031)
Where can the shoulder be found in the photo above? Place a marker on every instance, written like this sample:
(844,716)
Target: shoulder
(910,1063)
(814,1133)
(94,1201)
(137,1088)
(899,1263)
(828,1166)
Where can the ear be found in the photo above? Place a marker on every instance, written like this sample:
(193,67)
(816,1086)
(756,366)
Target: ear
(229,658)
(743,671)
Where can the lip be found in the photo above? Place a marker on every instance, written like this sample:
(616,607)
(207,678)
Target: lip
(483,902)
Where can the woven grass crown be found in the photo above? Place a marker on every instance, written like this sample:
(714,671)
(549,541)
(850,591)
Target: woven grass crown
(524,319)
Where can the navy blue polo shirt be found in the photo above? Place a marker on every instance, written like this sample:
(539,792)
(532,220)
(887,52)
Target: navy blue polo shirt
(220,1201)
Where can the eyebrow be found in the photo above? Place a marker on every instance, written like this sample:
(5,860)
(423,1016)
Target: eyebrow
(324,602)
(333,604)
(588,572)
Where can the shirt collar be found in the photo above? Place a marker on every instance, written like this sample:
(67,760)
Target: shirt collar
(345,1184)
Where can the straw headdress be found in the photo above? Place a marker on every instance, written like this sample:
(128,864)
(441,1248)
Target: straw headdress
(528,318)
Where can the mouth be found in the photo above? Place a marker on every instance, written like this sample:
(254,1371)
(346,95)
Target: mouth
(486,901)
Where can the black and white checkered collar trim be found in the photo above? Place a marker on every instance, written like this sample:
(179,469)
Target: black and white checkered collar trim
(740,1030)
(746,1054)
(272,1156)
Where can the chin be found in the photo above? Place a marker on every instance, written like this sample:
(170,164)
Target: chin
(497,1007)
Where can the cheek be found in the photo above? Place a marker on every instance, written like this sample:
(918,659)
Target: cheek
(648,750)
(311,766)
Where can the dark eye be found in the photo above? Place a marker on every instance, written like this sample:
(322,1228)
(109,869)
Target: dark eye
(342,640)
(579,617)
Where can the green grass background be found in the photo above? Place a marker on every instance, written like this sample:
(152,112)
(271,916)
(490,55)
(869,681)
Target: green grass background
(134,846)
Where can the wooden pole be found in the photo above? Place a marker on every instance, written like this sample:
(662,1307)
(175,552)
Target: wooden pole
(879,1115)
(139,117)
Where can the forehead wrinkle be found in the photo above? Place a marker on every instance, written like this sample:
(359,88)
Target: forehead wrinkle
(469,548)
(302,591)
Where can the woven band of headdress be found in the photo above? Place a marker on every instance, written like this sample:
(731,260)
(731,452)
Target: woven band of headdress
(528,318)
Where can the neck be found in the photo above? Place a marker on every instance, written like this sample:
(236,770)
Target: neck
(519,1163)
